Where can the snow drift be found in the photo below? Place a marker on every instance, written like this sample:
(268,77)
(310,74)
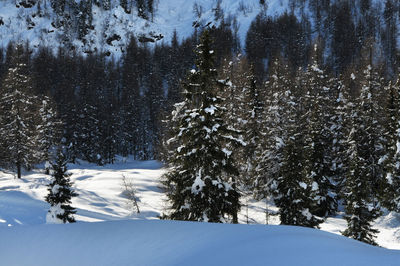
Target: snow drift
(182,243)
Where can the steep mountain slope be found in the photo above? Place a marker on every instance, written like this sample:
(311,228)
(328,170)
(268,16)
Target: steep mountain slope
(109,31)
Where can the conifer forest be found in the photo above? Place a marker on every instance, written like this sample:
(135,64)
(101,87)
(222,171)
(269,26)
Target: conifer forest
(301,109)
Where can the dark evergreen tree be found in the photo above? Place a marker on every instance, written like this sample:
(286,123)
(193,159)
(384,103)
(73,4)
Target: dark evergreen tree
(109,115)
(48,131)
(339,125)
(318,136)
(278,106)
(60,193)
(389,36)
(295,190)
(371,143)
(364,182)
(19,115)
(254,130)
(89,134)
(201,182)
(130,102)
(391,198)
(360,211)
(343,52)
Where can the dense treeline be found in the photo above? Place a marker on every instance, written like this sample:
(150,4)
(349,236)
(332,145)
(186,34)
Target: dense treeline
(342,29)
(306,139)
(103,107)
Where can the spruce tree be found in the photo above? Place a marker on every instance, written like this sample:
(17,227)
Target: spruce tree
(391,198)
(130,102)
(371,143)
(60,193)
(277,114)
(364,178)
(253,131)
(296,192)
(48,131)
(340,126)
(318,136)
(19,115)
(201,181)
(360,211)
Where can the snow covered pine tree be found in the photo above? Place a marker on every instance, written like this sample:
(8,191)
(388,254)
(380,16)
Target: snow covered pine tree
(392,135)
(296,191)
(60,193)
(201,182)
(18,114)
(365,176)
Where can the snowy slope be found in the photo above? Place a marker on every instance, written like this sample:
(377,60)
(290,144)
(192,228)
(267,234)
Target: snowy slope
(24,23)
(100,192)
(101,198)
(183,243)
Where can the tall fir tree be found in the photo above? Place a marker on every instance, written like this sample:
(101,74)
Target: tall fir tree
(278,106)
(130,102)
(340,126)
(391,198)
(371,142)
(19,115)
(201,182)
(318,136)
(48,130)
(253,130)
(360,211)
(60,193)
(296,192)
(364,185)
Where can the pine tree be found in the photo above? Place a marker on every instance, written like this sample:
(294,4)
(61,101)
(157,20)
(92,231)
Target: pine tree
(110,117)
(371,143)
(277,114)
(253,131)
(19,115)
(391,198)
(340,126)
(130,102)
(318,136)
(89,131)
(201,182)
(296,191)
(360,212)
(364,184)
(48,131)
(60,193)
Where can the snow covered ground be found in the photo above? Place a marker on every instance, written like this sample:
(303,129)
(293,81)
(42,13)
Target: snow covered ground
(183,243)
(100,190)
(144,242)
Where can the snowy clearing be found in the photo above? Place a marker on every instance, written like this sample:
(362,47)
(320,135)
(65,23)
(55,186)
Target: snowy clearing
(142,242)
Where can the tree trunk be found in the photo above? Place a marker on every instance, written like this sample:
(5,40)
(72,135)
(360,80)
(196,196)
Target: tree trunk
(235,218)
(19,170)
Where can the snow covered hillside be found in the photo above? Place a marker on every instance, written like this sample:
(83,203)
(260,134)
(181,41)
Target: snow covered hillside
(100,190)
(183,243)
(101,198)
(111,29)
